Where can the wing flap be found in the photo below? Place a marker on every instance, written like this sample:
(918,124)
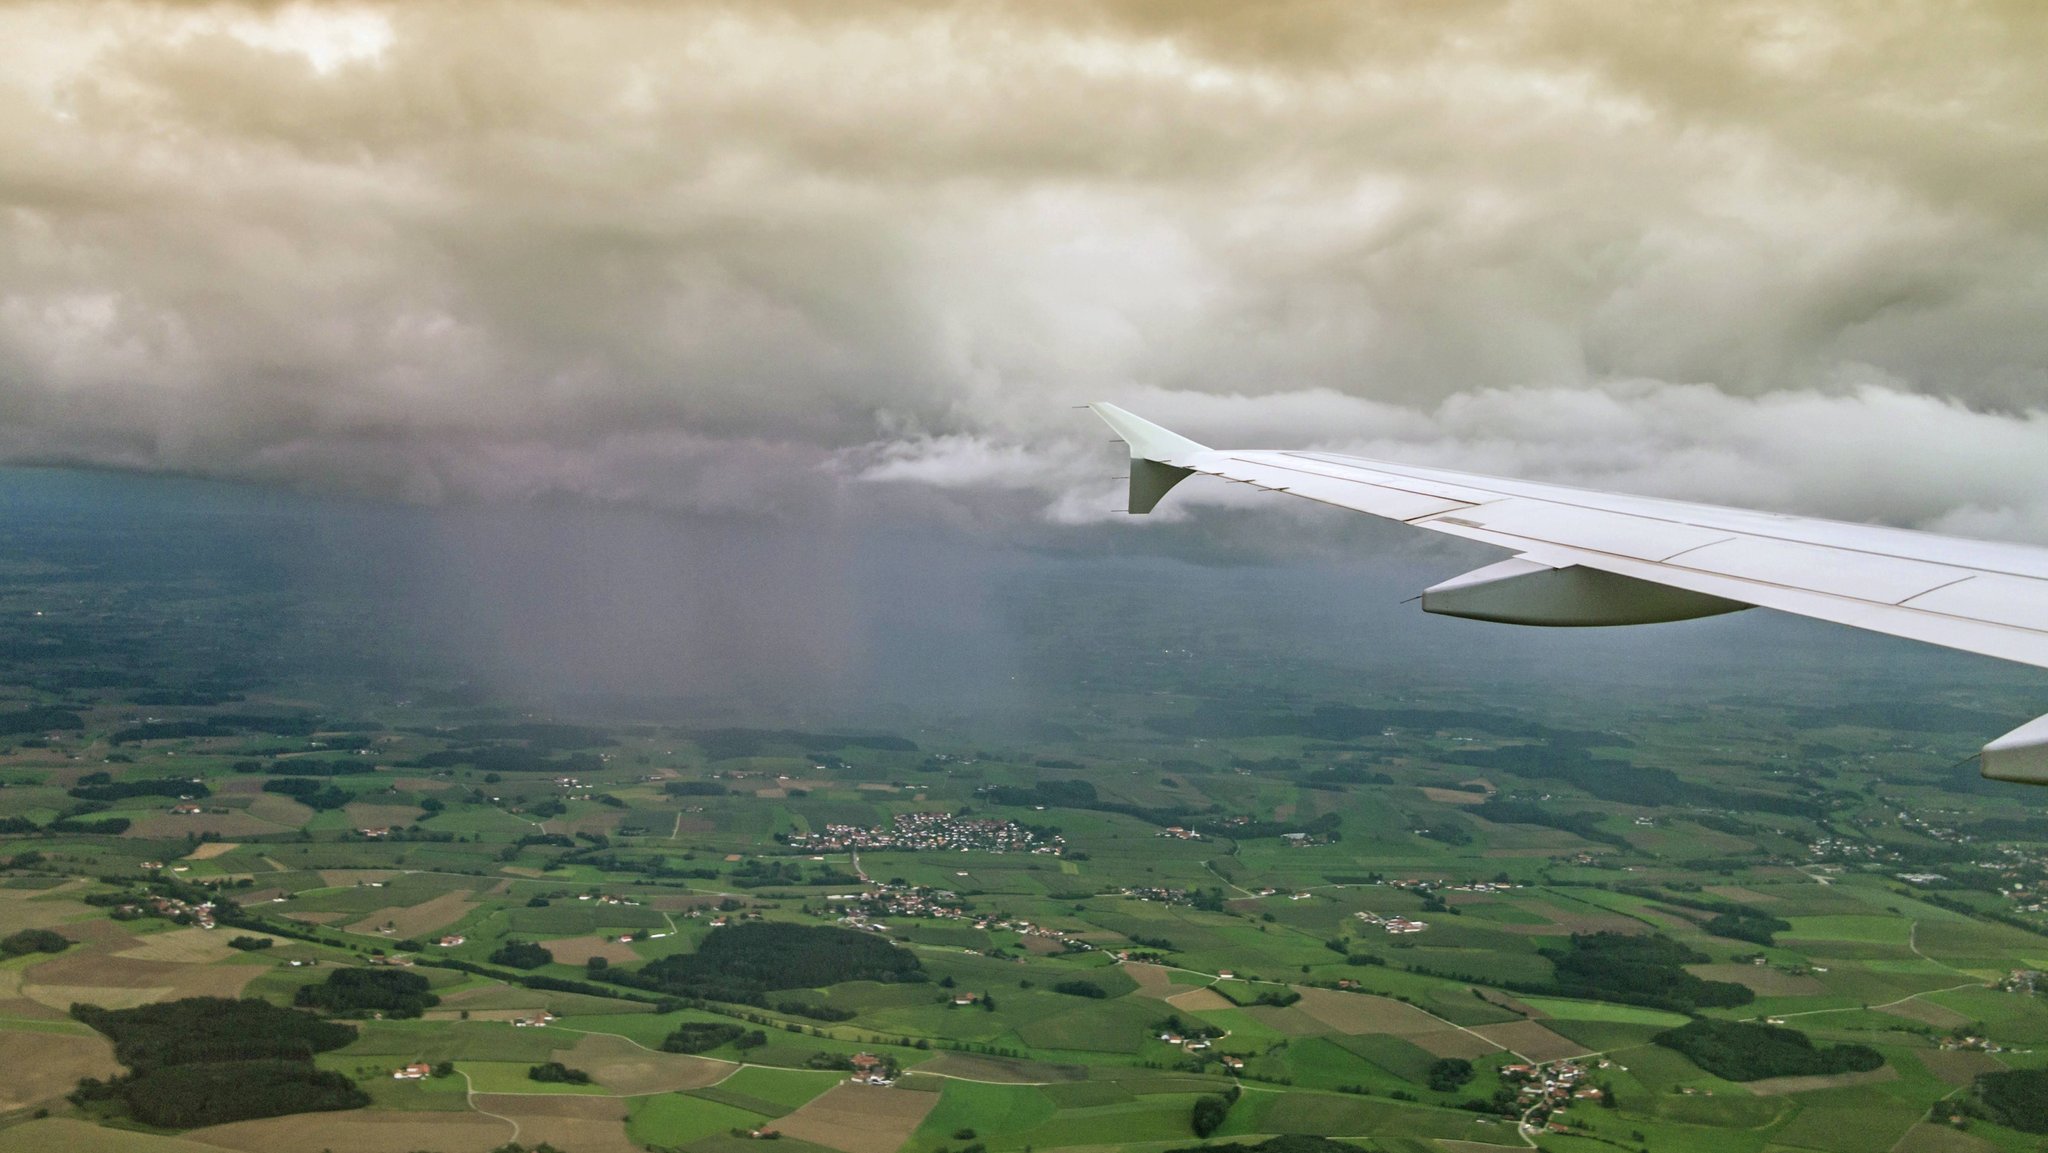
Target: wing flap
(1545,523)
(1859,576)
(2020,602)
(1975,596)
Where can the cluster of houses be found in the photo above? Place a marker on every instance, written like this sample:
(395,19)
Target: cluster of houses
(1163,896)
(170,908)
(581,790)
(936,904)
(1178,833)
(1971,1042)
(1192,1042)
(1392,924)
(606,899)
(932,832)
(1548,1089)
(1202,1043)
(540,1020)
(869,1069)
(417,1071)
(1842,848)
(2027,981)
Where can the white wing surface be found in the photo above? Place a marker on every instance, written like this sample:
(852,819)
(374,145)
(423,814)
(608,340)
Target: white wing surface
(1592,558)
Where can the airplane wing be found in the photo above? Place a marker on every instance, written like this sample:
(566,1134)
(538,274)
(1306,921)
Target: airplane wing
(1583,557)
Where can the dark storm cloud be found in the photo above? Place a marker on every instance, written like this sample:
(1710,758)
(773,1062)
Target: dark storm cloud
(758,257)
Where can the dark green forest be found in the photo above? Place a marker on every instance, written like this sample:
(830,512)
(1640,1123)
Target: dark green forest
(1748,1051)
(210,1060)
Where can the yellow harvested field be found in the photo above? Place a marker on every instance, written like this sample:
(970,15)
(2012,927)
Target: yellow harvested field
(23,1009)
(83,967)
(579,950)
(191,946)
(631,1070)
(1200,1001)
(1450,1042)
(1779,1086)
(581,1124)
(42,1066)
(417,920)
(1364,1013)
(1454,796)
(191,981)
(859,1118)
(123,982)
(18,911)
(105,996)
(212,849)
(1762,980)
(1531,1040)
(63,1133)
(360,1131)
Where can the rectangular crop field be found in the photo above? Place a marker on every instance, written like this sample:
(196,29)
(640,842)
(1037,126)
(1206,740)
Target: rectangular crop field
(860,1118)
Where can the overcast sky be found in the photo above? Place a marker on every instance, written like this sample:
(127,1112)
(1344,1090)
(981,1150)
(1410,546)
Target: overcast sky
(761,257)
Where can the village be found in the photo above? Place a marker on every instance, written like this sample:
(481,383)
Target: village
(1392,924)
(941,905)
(931,832)
(1546,1090)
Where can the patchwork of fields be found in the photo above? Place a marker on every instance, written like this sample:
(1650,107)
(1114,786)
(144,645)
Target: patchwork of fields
(1327,935)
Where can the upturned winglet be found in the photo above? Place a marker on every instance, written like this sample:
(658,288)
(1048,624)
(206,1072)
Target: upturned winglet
(1153,449)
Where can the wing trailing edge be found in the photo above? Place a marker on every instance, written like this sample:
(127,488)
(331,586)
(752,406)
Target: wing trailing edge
(1584,557)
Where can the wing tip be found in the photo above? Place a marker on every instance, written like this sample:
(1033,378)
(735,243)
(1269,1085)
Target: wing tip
(1148,441)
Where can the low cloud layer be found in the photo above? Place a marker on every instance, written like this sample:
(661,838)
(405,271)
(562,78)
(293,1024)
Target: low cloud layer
(770,258)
